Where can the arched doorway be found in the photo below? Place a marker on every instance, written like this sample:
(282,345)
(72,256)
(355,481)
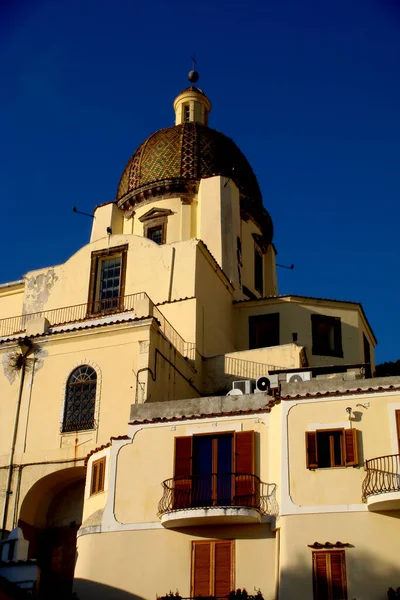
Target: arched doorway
(50,516)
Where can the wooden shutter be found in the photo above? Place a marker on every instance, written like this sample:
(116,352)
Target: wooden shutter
(223,580)
(350,447)
(321,580)
(201,569)
(338,575)
(329,571)
(183,472)
(398,428)
(100,479)
(245,484)
(311,450)
(95,470)
(98,472)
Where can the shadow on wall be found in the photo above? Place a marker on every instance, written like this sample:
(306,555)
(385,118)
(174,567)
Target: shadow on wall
(90,590)
(368,577)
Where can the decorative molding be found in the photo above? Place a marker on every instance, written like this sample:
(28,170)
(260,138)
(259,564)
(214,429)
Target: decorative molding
(155,213)
(329,545)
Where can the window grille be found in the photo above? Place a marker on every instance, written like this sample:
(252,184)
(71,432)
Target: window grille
(80,400)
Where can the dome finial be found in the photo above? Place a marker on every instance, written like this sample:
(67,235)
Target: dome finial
(193,75)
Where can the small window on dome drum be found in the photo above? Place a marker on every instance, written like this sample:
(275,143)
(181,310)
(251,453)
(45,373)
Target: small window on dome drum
(155,234)
(186,113)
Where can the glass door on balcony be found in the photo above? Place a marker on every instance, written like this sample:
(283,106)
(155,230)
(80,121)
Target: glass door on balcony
(212,470)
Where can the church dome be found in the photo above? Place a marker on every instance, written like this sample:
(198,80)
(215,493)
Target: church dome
(172,161)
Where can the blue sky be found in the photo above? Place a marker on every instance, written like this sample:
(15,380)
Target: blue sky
(310,91)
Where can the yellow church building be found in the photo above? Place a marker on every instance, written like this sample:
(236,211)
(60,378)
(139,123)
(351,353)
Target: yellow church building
(170,424)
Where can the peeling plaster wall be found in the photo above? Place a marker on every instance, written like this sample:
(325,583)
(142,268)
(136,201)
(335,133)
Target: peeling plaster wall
(38,286)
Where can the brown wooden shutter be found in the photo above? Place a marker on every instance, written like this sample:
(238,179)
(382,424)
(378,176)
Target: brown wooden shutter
(321,580)
(183,472)
(350,447)
(223,583)
(398,429)
(245,483)
(311,450)
(338,575)
(329,569)
(93,485)
(201,569)
(101,473)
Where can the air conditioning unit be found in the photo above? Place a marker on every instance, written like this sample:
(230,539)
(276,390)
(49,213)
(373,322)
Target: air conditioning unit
(246,386)
(266,382)
(298,377)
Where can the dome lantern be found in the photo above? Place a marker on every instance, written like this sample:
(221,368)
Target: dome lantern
(192,105)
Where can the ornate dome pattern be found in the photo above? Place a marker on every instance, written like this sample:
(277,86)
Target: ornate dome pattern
(189,151)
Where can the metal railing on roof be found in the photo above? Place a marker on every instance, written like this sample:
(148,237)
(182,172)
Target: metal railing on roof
(77,313)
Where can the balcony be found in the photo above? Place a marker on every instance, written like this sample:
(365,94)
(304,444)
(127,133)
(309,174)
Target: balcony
(100,312)
(381,486)
(217,498)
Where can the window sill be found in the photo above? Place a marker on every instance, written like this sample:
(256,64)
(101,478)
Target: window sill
(79,432)
(330,468)
(97,494)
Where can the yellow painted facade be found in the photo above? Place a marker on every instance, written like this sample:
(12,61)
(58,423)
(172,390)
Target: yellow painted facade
(149,334)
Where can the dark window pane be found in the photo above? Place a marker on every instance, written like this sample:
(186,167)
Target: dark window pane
(324,451)
(110,281)
(155,235)
(224,470)
(337,447)
(329,445)
(258,271)
(326,336)
(264,331)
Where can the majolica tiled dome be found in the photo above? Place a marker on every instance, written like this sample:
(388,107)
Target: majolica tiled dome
(172,161)
(188,151)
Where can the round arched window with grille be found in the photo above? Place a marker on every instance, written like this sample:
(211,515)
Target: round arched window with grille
(80,399)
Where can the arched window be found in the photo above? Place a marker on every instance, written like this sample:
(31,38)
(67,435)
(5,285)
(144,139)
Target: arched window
(80,399)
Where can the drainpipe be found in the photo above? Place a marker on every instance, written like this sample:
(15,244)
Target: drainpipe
(25,347)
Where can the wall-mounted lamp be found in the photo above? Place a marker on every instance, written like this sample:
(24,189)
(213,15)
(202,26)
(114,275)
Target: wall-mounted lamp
(348,410)
(25,346)
(109,230)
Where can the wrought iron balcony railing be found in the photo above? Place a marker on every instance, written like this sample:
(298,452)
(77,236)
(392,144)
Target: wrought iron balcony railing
(383,475)
(218,490)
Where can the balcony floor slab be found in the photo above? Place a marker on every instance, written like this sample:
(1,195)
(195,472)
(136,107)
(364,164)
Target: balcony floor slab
(210,516)
(382,502)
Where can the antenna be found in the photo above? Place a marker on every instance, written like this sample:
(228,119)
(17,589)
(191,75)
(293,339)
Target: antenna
(285,267)
(78,212)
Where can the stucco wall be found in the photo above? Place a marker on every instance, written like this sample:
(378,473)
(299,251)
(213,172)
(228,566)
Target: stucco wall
(295,317)
(150,563)
(371,560)
(11,299)
(149,460)
(341,485)
(157,270)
